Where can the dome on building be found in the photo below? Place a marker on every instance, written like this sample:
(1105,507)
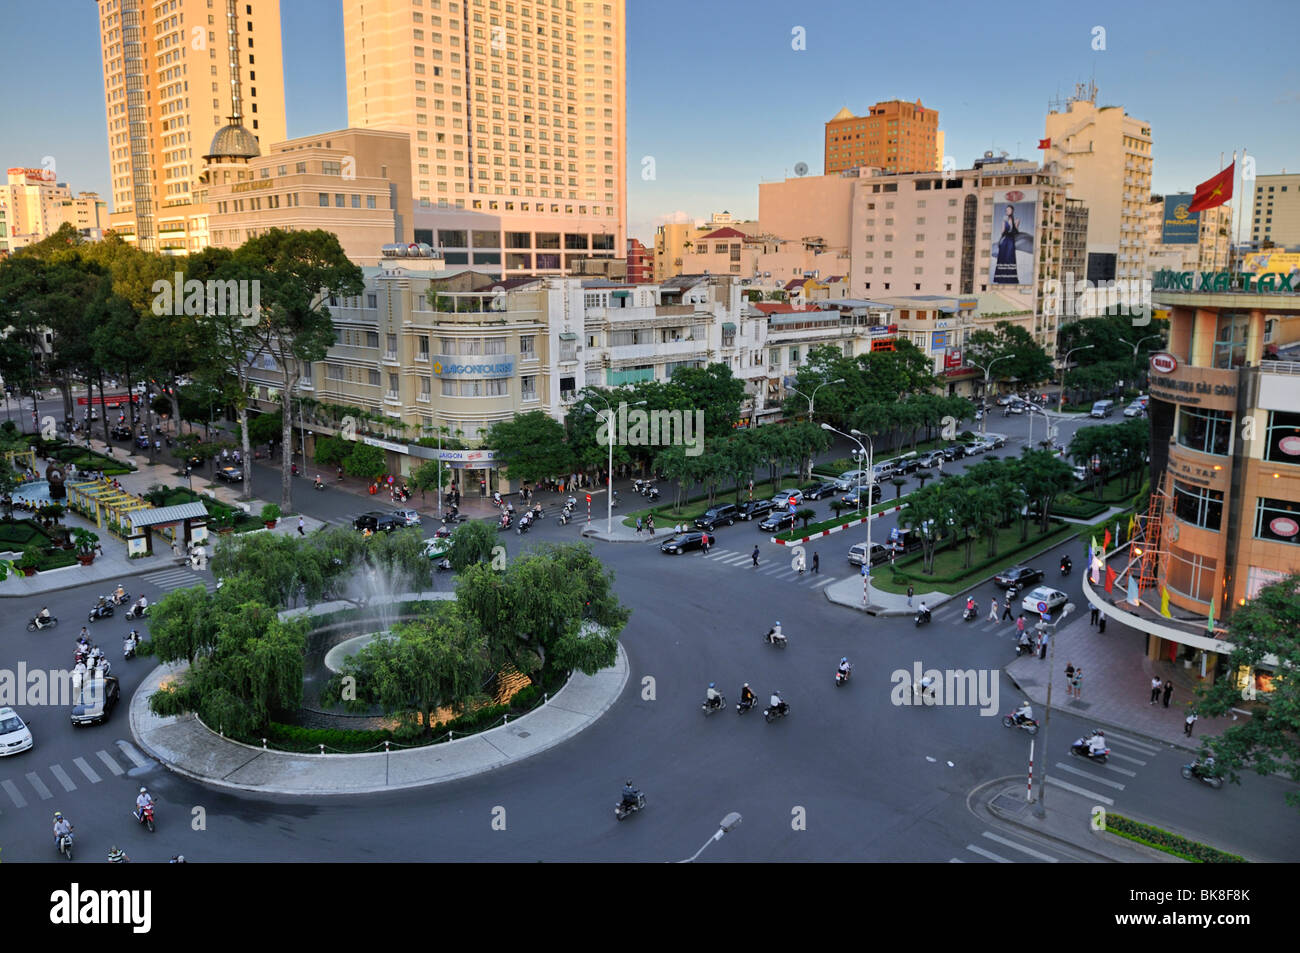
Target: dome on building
(233,142)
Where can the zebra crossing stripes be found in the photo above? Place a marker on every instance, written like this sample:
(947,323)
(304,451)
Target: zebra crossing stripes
(1006,843)
(109,762)
(20,797)
(14,794)
(767,566)
(62,777)
(169,580)
(87,770)
(38,785)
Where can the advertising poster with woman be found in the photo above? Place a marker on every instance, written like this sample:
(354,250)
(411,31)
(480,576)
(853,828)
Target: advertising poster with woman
(1015,221)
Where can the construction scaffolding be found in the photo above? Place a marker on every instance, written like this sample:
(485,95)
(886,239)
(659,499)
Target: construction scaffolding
(1149,542)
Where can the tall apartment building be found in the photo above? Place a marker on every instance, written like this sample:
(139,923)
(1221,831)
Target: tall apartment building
(640,262)
(38,206)
(1276,214)
(896,136)
(1103,156)
(673,240)
(168,80)
(517,118)
(1206,249)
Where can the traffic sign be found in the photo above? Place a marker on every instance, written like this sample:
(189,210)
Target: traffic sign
(1042,607)
(588,497)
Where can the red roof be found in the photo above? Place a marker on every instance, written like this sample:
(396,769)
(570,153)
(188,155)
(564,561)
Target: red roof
(795,283)
(724,233)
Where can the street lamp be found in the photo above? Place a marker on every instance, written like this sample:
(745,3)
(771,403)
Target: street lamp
(609,474)
(871,482)
(1040,808)
(725,826)
(1137,370)
(1060,403)
(813,399)
(987,369)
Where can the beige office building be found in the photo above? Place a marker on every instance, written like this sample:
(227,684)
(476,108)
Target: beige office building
(1276,215)
(1209,252)
(675,240)
(38,206)
(517,117)
(352,182)
(168,77)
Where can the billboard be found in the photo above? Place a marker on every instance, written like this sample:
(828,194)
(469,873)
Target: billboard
(1272,263)
(938,340)
(1015,223)
(1179,226)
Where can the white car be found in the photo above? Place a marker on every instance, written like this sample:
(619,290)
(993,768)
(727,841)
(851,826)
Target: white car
(14,735)
(851,478)
(1044,599)
(411,517)
(782,499)
(1134,410)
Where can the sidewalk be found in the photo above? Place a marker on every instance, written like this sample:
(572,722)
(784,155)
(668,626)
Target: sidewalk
(1116,683)
(848,592)
(188,747)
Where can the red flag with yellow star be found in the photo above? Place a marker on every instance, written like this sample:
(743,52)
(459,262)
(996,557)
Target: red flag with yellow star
(1213,192)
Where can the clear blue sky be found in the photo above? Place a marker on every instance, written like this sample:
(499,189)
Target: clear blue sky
(719,98)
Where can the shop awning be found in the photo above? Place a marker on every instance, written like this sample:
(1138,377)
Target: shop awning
(568,336)
(620,294)
(728,326)
(167,514)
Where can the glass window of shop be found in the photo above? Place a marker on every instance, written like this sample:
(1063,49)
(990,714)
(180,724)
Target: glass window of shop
(1205,431)
(1277,520)
(1283,437)
(1230,341)
(1198,506)
(1191,574)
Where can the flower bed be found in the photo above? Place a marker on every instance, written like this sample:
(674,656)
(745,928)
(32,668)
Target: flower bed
(1170,843)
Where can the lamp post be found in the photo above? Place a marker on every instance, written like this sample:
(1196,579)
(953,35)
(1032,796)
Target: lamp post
(609,474)
(813,399)
(987,369)
(1060,402)
(1137,370)
(725,826)
(871,482)
(1040,808)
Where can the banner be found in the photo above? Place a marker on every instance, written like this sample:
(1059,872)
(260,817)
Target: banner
(1180,226)
(1015,223)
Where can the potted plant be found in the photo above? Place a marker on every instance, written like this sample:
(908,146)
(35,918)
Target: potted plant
(30,558)
(84,542)
(270,515)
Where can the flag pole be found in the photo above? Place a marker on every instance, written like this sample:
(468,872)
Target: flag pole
(1232,259)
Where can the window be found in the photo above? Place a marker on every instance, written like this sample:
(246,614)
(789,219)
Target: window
(426,388)
(422,348)
(528,387)
(1283,436)
(526,347)
(1230,341)
(390,346)
(494,346)
(1191,574)
(340,200)
(372,301)
(335,372)
(324,199)
(392,385)
(1198,506)
(372,339)
(1206,431)
(1277,521)
(452,238)
(370,201)
(374,377)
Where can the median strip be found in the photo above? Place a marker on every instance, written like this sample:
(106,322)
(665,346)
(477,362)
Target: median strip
(895,507)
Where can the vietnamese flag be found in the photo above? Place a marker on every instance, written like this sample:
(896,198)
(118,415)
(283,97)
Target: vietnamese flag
(1215,191)
(1105,541)
(1044,143)
(1111,576)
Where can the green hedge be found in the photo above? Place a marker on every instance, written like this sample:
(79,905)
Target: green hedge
(1076,507)
(1163,840)
(1005,557)
(16,534)
(56,559)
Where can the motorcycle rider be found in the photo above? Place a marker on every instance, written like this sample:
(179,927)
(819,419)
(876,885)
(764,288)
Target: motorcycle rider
(131,643)
(1024,714)
(777,703)
(43,617)
(845,667)
(141,606)
(747,697)
(713,697)
(119,594)
(1097,743)
(924,612)
(970,607)
(1066,565)
(100,605)
(117,856)
(774,634)
(61,828)
(142,801)
(537,510)
(629,795)
(318,484)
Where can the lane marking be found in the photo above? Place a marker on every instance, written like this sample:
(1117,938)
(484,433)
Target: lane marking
(35,781)
(87,770)
(987,853)
(109,762)
(1091,777)
(1078,790)
(62,776)
(1020,847)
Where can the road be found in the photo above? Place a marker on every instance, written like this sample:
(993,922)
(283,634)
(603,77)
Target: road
(848,776)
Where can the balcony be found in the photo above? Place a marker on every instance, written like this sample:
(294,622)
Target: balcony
(392,397)
(390,357)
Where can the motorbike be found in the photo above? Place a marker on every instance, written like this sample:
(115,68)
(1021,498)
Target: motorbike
(120,600)
(1066,566)
(523,527)
(639,485)
(1024,648)
(65,845)
(1197,770)
(118,857)
(443,565)
(651,496)
(923,692)
(295,469)
(318,485)
(614,504)
(710,709)
(771,638)
(128,649)
(969,613)
(571,503)
(565,517)
(145,816)
(842,676)
(922,617)
(743,706)
(135,612)
(623,810)
(1029,724)
(772,714)
(101,611)
(538,512)
(36,622)
(1080,748)
(503,524)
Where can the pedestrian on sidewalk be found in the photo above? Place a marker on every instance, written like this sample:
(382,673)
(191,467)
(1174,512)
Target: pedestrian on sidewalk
(816,565)
(650,525)
(1042,645)
(1155,689)
(1078,682)
(1169,690)
(1020,625)
(754,556)
(909,595)
(1188,722)
(1069,678)
(1093,616)
(1101,624)
(638,526)
(301,527)
(993,606)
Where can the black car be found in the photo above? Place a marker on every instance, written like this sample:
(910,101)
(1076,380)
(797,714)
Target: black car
(997,440)
(377,521)
(230,474)
(716,515)
(954,451)
(902,467)
(818,490)
(1017,577)
(778,522)
(121,432)
(754,509)
(686,541)
(858,495)
(96,700)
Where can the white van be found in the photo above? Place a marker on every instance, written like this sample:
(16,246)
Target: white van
(1102,408)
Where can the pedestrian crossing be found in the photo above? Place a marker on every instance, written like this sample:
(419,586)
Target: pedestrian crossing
(1000,849)
(773,567)
(179,578)
(25,788)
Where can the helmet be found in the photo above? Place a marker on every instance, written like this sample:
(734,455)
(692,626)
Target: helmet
(711,684)
(747,684)
(778,621)
(144,791)
(58,816)
(629,782)
(843,660)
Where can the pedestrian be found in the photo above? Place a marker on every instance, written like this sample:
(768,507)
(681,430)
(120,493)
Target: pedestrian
(754,555)
(993,606)
(1006,609)
(638,526)
(1069,678)
(1092,617)
(1042,645)
(1169,690)
(816,565)
(1101,624)
(799,563)
(909,595)
(1078,682)
(302,527)
(1020,625)
(891,557)
(650,525)
(1155,690)
(704,543)
(1188,722)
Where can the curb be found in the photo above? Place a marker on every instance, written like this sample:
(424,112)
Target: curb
(836,529)
(987,804)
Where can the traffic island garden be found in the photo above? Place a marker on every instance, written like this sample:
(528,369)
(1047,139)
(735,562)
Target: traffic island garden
(1163,840)
(951,573)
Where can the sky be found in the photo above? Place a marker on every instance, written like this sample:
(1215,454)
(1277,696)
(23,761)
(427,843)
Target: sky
(721,100)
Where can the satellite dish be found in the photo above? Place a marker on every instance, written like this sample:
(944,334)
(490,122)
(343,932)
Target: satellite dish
(801,168)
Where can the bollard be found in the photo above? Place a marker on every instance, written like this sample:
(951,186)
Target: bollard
(545,698)
(322,749)
(263,744)
(506,719)
(386,744)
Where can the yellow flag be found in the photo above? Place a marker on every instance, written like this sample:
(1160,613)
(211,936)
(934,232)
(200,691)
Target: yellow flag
(1132,521)
(1164,602)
